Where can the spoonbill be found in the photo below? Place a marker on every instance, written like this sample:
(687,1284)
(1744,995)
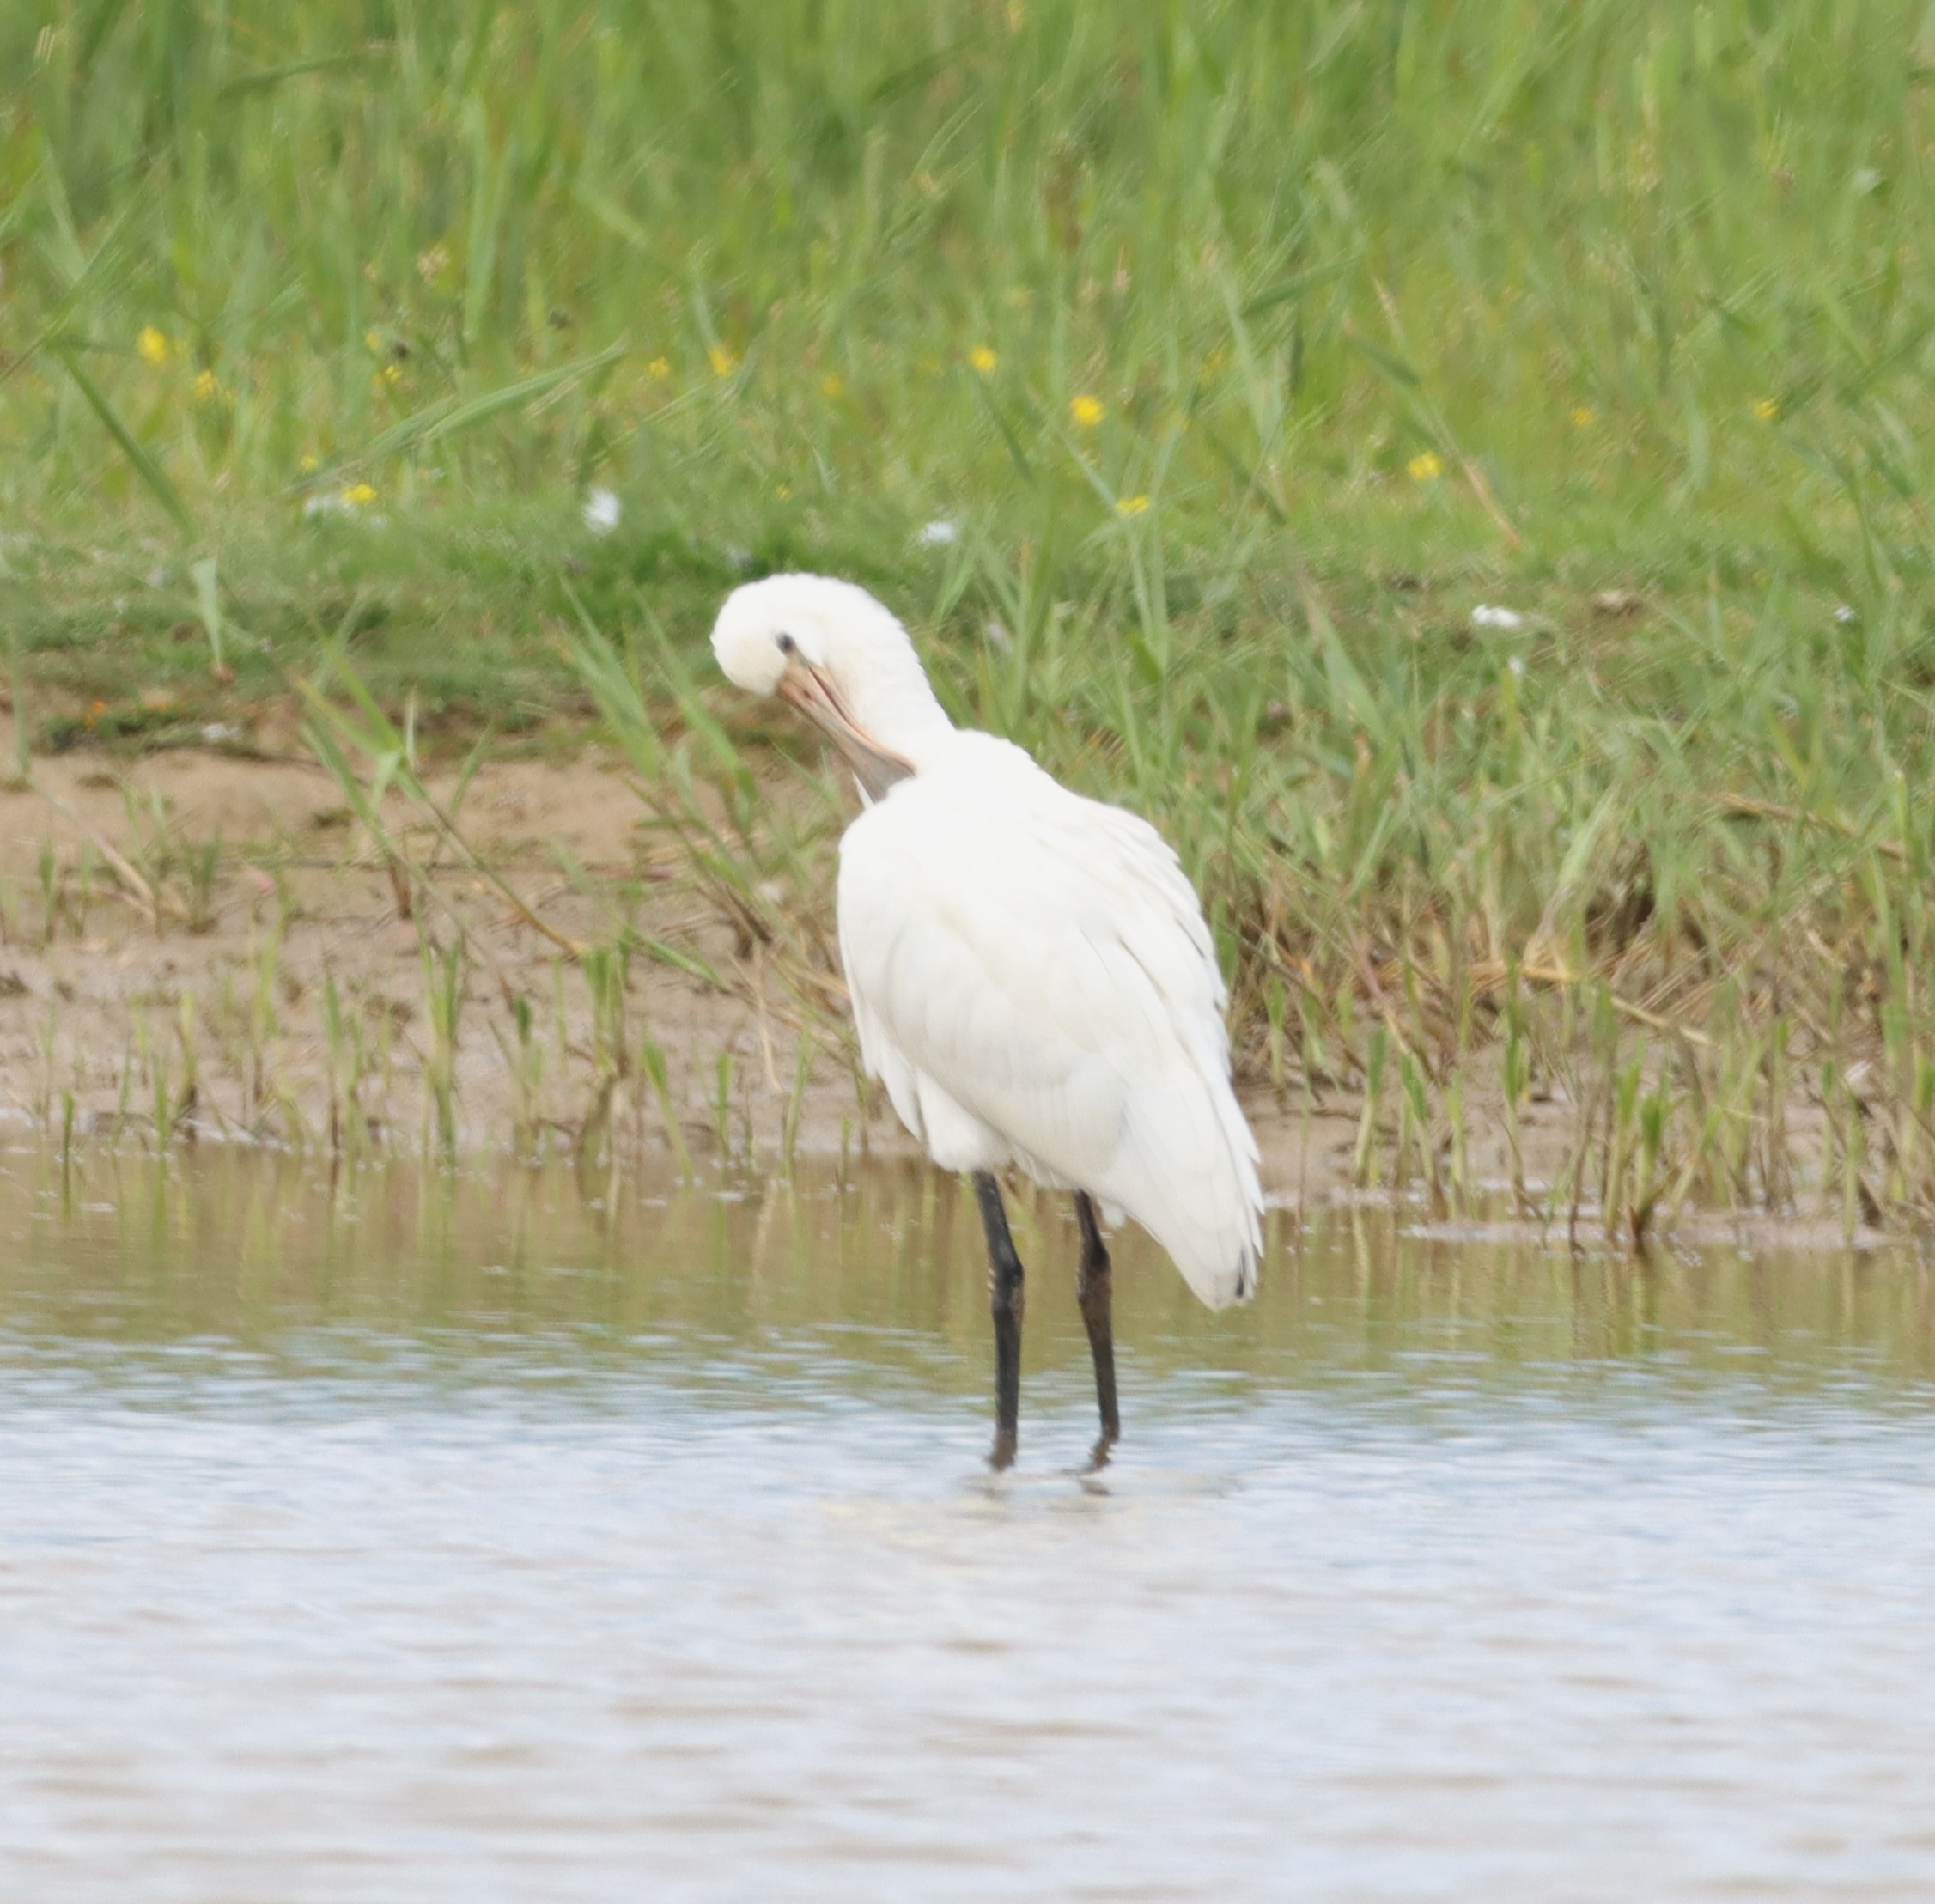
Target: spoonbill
(1030,975)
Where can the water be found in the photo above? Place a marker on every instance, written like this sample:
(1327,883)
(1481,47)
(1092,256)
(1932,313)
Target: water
(520,1538)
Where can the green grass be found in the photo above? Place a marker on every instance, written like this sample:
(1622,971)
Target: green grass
(1570,253)
(1247,348)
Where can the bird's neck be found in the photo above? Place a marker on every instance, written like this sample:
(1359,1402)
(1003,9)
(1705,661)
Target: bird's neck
(888,689)
(905,718)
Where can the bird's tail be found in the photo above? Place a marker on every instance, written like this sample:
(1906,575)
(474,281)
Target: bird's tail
(1191,1182)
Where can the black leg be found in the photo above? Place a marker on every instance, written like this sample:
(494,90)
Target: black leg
(1006,1300)
(1094,1286)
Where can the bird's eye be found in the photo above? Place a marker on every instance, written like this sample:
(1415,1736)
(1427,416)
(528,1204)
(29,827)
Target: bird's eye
(787,645)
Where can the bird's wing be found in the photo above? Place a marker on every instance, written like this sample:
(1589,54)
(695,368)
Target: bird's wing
(1042,959)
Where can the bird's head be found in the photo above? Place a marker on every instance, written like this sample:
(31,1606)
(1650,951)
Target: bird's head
(830,650)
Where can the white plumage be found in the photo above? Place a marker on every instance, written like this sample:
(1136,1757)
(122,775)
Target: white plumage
(1033,982)
(1030,973)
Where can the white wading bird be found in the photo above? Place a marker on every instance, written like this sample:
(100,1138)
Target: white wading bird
(1030,974)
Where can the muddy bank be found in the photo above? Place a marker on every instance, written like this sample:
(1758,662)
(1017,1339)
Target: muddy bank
(276,996)
(93,985)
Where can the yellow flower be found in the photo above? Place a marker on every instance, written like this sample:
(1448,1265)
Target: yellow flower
(1087,411)
(152,345)
(309,461)
(359,495)
(1427,466)
(659,369)
(1132,505)
(983,358)
(392,373)
(722,361)
(831,388)
(1766,409)
(1583,417)
(207,387)
(783,491)
(373,340)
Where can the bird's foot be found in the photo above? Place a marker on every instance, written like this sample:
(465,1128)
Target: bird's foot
(1099,1454)
(1000,1456)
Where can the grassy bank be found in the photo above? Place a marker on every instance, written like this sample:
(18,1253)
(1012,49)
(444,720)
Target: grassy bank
(1188,376)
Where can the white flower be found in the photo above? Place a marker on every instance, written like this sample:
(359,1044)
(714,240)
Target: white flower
(1516,664)
(601,512)
(331,504)
(1844,615)
(940,534)
(1506,618)
(998,637)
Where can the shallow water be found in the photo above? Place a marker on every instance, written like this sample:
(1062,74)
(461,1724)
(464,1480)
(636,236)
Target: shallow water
(520,1538)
